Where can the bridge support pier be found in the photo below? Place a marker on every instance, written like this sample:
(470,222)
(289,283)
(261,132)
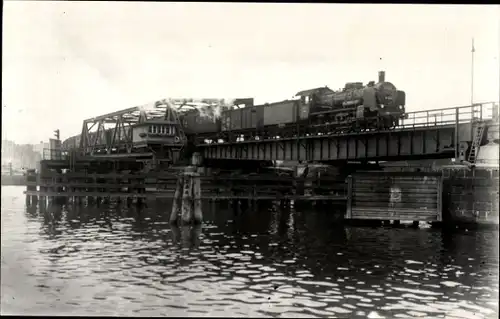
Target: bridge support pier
(188,194)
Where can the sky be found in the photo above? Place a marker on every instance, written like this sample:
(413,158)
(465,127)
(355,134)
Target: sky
(64,62)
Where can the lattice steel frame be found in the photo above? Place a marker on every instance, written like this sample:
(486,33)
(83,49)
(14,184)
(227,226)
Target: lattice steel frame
(165,110)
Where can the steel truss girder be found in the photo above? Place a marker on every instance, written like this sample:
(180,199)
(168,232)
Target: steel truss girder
(430,142)
(157,109)
(120,140)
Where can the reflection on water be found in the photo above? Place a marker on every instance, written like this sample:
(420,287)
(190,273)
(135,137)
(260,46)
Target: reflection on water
(128,261)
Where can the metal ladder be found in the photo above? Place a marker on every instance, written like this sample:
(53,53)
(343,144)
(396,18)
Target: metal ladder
(173,117)
(179,126)
(476,143)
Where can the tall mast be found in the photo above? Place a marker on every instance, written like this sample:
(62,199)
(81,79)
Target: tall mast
(472,74)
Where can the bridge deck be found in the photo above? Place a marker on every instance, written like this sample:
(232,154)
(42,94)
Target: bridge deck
(424,134)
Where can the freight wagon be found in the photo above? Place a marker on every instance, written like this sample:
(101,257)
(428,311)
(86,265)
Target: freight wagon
(285,113)
(242,115)
(259,116)
(195,123)
(237,119)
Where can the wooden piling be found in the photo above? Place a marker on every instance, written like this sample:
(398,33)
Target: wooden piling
(197,207)
(187,198)
(254,198)
(43,204)
(188,193)
(176,202)
(186,237)
(301,172)
(31,177)
(176,234)
(196,159)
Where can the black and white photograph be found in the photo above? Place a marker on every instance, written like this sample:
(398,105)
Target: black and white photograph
(246,159)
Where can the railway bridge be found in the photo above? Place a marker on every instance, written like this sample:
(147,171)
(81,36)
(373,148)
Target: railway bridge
(119,157)
(158,135)
(455,132)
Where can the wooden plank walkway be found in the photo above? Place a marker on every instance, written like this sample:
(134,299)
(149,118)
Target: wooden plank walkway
(164,195)
(175,176)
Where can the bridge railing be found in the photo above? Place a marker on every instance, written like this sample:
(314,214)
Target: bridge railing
(450,116)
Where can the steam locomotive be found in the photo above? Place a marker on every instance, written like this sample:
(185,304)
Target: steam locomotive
(376,105)
(355,107)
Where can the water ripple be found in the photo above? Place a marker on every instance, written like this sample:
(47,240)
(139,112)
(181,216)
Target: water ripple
(122,261)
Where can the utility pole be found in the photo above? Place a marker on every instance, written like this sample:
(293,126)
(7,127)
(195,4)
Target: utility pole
(472,74)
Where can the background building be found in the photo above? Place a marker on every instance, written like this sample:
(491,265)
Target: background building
(22,156)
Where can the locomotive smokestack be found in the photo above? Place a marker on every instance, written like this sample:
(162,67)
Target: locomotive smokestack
(381,76)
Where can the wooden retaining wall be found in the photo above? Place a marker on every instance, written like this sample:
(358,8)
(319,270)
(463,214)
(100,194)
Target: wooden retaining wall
(161,185)
(471,196)
(415,196)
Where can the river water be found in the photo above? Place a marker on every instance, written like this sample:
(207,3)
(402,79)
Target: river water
(270,263)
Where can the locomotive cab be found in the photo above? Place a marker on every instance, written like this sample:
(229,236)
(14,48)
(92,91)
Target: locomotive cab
(313,99)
